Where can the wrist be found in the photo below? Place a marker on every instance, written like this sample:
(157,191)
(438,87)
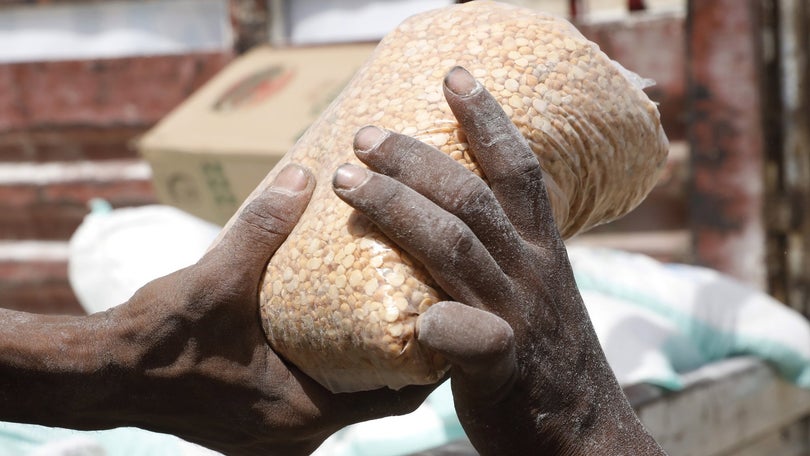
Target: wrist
(591,415)
(565,399)
(173,383)
(55,370)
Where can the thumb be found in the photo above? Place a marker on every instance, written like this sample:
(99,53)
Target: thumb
(265,222)
(479,345)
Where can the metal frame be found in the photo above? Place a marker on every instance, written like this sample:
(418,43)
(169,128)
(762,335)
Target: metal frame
(726,136)
(749,134)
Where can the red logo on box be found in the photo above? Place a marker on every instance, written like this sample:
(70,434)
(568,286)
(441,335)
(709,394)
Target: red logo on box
(254,88)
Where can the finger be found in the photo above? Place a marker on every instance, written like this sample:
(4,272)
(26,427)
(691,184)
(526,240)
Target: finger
(479,345)
(505,157)
(379,403)
(342,409)
(445,182)
(449,250)
(264,223)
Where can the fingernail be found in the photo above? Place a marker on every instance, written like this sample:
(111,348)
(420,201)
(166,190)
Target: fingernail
(292,178)
(368,137)
(349,176)
(461,82)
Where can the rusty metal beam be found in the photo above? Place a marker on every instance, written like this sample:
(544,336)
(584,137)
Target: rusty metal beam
(793,37)
(636,5)
(778,206)
(250,23)
(726,136)
(576,9)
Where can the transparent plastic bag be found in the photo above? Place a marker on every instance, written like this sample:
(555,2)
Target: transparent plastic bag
(339,300)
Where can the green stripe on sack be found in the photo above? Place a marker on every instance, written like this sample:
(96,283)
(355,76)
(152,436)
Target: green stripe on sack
(713,343)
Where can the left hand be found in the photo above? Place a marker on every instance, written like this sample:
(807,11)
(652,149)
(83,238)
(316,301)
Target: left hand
(528,373)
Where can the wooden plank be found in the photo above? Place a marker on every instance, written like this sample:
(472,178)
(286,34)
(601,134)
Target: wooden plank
(725,404)
(736,407)
(791,440)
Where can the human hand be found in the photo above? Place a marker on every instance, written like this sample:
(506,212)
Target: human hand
(528,376)
(196,361)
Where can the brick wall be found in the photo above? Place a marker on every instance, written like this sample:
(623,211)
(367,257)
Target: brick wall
(66,133)
(66,130)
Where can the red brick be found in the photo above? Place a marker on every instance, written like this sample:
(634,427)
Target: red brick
(134,91)
(69,143)
(37,287)
(60,208)
(118,193)
(49,201)
(41,222)
(17,197)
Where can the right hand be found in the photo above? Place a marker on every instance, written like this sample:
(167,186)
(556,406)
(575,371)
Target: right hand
(528,373)
(194,360)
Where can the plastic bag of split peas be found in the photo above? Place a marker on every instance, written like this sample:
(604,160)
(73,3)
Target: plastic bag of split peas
(339,300)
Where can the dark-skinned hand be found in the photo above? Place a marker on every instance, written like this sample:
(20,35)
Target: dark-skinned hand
(187,355)
(528,373)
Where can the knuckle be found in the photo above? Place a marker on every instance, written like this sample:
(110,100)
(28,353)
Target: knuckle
(522,169)
(502,338)
(273,214)
(458,239)
(392,153)
(494,139)
(379,199)
(471,195)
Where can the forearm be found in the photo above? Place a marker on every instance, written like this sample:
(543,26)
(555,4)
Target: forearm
(607,424)
(56,370)
(100,371)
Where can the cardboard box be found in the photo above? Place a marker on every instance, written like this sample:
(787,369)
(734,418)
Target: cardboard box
(210,152)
